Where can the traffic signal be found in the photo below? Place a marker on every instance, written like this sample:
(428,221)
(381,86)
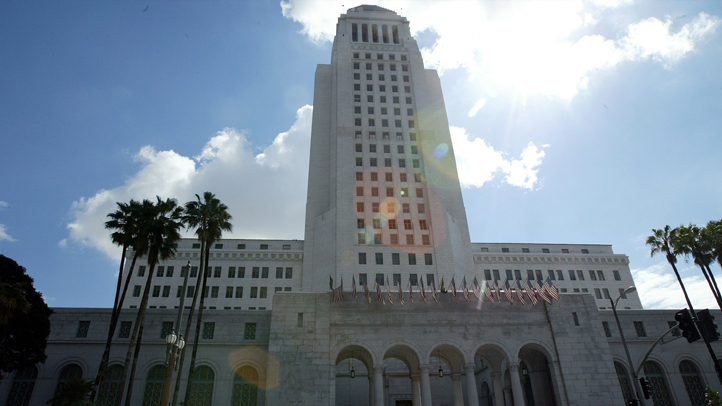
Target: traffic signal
(632,402)
(707,326)
(646,387)
(689,331)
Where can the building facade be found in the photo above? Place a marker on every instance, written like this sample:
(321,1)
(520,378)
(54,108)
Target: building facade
(385,213)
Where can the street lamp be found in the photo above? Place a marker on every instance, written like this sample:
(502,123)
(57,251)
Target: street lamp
(624,343)
(175,344)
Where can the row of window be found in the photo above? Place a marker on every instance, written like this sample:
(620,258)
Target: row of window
(380,278)
(381,67)
(216,272)
(256,292)
(166,328)
(373,162)
(544,250)
(382,77)
(382,99)
(395,258)
(241,246)
(391,223)
(379,56)
(388,177)
(363,239)
(403,192)
(384,123)
(386,149)
(375,35)
(559,275)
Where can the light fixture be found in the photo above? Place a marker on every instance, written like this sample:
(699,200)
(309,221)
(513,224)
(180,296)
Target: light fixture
(353,372)
(171,338)
(525,371)
(441,371)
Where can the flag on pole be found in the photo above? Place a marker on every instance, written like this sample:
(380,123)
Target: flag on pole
(542,293)
(507,292)
(388,291)
(423,291)
(452,286)
(401,293)
(530,293)
(411,291)
(353,286)
(477,290)
(434,293)
(465,289)
(443,289)
(340,289)
(489,293)
(379,294)
(551,289)
(368,293)
(330,282)
(519,292)
(497,290)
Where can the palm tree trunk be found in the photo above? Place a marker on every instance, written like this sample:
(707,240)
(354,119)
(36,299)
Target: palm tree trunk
(714,281)
(712,287)
(176,390)
(134,336)
(198,326)
(117,304)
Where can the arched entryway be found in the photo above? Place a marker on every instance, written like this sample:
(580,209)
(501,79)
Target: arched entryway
(624,382)
(660,390)
(536,376)
(110,388)
(354,377)
(245,387)
(692,383)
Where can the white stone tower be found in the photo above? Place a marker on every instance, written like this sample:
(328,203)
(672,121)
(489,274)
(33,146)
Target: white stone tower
(384,199)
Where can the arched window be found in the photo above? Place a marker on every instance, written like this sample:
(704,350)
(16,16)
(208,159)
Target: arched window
(245,387)
(354,32)
(364,33)
(201,390)
(624,382)
(375,33)
(395,33)
(67,373)
(385,33)
(154,386)
(660,392)
(22,389)
(693,383)
(110,388)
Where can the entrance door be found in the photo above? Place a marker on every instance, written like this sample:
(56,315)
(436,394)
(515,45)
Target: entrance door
(403,403)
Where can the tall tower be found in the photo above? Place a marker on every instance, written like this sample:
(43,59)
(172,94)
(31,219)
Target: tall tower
(384,201)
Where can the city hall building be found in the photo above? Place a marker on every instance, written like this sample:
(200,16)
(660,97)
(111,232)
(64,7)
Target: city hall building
(520,325)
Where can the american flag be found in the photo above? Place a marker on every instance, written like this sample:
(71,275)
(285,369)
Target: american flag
(497,290)
(434,293)
(330,282)
(466,290)
(507,291)
(379,294)
(519,292)
(368,294)
(453,288)
(489,294)
(477,290)
(388,291)
(443,289)
(353,286)
(542,293)
(340,289)
(530,293)
(423,291)
(401,293)
(411,292)
(551,289)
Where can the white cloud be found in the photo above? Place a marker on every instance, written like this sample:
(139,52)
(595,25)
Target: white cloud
(265,193)
(479,163)
(4,236)
(658,288)
(478,106)
(4,205)
(527,47)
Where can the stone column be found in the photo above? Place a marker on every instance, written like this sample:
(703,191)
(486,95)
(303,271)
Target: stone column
(371,388)
(425,386)
(471,390)
(507,397)
(498,389)
(458,393)
(379,385)
(415,390)
(516,384)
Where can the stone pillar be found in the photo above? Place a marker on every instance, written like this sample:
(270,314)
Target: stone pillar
(379,385)
(425,386)
(516,384)
(371,387)
(498,389)
(507,397)
(415,390)
(458,393)
(471,390)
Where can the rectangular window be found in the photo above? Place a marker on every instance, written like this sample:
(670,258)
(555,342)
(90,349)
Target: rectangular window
(357,87)
(572,276)
(357,65)
(598,293)
(560,275)
(360,223)
(402,163)
(565,251)
(359,176)
(360,207)
(379,258)
(390,192)
(377,223)
(411,123)
(136,291)
(125,327)
(425,239)
(402,177)
(372,162)
(414,279)
(289,273)
(249,332)
(279,273)
(407,224)
(380,279)
(255,272)
(166,328)
(576,318)
(639,328)
(606,293)
(254,292)
(405,68)
(406,208)
(214,291)
(551,274)
(83,327)
(357,122)
(374,191)
(397,123)
(264,292)
(580,275)
(429,279)
(160,271)
(229,291)
(209,329)
(381,66)
(217,272)
(369,66)
(410,112)
(191,291)
(530,274)
(421,209)
(428,259)
(362,281)
(370,98)
(166,291)
(394,239)
(264,272)
(156,291)
(382,88)
(141,271)
(600,275)
(396,279)
(412,259)
(617,277)
(585,251)
(360,191)
(545,250)
(357,98)
(384,123)
(242,272)
(357,135)
(395,258)
(396,99)
(407,89)
(179,292)
(239,292)
(375,207)
(422,225)
(607,330)
(592,276)
(374,177)
(487,274)
(362,258)
(232,272)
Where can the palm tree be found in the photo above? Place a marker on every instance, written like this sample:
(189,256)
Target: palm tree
(124,222)
(210,217)
(75,392)
(692,241)
(158,226)
(713,233)
(663,242)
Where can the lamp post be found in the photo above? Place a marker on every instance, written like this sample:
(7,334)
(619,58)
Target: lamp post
(175,344)
(635,382)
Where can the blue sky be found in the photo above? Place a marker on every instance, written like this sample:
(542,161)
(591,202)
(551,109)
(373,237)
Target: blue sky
(574,122)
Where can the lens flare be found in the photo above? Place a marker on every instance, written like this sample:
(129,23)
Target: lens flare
(441,151)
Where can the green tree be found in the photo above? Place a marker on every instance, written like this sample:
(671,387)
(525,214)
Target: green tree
(12,297)
(159,226)
(24,336)
(713,233)
(694,241)
(75,392)
(210,218)
(126,234)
